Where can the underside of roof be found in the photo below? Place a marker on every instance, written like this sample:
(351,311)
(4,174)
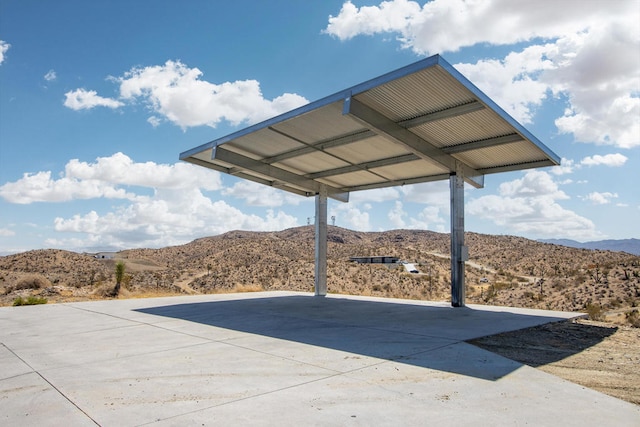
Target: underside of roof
(419,123)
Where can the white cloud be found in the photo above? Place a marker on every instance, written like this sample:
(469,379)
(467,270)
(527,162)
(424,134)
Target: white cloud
(448,25)
(426,219)
(81,99)
(178,94)
(567,166)
(612,160)
(529,206)
(533,184)
(50,76)
(430,193)
(154,121)
(396,215)
(4,47)
(170,217)
(165,203)
(5,232)
(430,218)
(261,195)
(348,215)
(600,198)
(512,82)
(105,178)
(585,56)
(377,195)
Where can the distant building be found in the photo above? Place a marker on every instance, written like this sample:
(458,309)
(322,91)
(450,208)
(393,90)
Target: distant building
(105,255)
(375,259)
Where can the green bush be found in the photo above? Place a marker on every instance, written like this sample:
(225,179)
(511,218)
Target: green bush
(30,300)
(595,312)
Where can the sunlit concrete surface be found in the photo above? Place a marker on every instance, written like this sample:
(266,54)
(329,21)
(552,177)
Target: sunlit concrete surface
(280,358)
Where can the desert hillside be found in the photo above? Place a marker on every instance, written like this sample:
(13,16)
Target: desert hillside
(502,270)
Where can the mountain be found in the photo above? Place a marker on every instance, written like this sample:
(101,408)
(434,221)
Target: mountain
(502,270)
(631,246)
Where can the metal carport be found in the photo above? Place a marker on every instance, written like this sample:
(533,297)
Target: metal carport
(423,122)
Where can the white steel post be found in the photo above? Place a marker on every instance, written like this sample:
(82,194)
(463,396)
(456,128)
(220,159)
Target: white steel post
(459,253)
(321,243)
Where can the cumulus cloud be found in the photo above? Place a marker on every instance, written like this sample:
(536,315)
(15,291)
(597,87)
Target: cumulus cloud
(600,198)
(81,99)
(566,166)
(105,178)
(579,51)
(377,195)
(4,47)
(351,216)
(529,206)
(170,217)
(256,194)
(163,204)
(613,160)
(448,25)
(178,94)
(5,232)
(396,215)
(428,218)
(533,184)
(50,76)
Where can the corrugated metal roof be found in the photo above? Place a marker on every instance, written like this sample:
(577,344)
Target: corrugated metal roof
(416,124)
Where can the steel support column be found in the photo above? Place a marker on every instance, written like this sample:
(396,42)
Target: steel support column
(321,243)
(459,252)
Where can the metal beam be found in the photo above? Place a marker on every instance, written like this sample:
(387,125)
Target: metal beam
(320,280)
(242,163)
(364,166)
(397,182)
(458,110)
(483,143)
(518,166)
(389,129)
(268,182)
(319,146)
(459,252)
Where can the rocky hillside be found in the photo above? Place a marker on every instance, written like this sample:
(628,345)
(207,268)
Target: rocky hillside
(503,270)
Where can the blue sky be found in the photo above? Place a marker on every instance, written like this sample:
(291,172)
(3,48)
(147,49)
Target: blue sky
(97,99)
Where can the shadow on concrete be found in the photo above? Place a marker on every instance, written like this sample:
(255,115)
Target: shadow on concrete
(419,335)
(545,344)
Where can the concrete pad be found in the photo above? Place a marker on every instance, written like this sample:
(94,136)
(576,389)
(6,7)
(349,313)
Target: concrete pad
(28,400)
(280,358)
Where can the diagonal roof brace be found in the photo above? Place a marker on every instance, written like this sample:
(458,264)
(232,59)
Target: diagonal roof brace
(389,129)
(242,162)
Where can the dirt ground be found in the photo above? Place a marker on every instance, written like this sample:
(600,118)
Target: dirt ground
(597,355)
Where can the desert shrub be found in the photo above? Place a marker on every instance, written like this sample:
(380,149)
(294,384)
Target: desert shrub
(595,312)
(633,317)
(33,281)
(30,300)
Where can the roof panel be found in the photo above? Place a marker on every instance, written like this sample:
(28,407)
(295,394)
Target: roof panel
(321,124)
(415,124)
(408,170)
(366,150)
(311,163)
